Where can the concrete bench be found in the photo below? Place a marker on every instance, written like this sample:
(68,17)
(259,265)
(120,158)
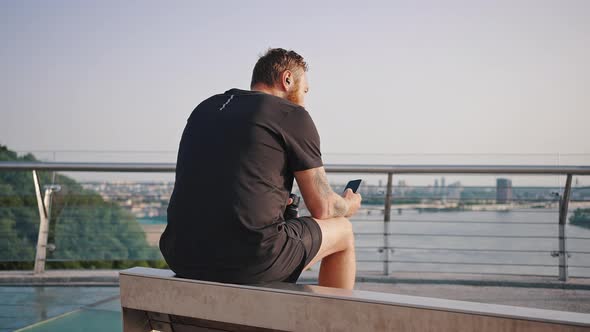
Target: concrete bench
(153,299)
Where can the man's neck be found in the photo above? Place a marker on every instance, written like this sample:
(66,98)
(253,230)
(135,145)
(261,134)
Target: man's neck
(269,90)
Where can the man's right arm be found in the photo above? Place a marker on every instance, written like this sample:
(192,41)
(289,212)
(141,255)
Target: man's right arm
(321,201)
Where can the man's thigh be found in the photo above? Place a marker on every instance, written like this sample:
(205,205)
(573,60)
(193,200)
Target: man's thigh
(337,236)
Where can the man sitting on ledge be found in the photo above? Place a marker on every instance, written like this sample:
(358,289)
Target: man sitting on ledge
(238,156)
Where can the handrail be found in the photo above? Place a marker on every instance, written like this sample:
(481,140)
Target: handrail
(333,168)
(389,170)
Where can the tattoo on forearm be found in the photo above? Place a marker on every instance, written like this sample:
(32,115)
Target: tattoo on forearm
(322,184)
(337,207)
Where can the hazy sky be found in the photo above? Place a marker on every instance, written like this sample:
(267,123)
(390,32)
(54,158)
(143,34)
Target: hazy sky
(385,77)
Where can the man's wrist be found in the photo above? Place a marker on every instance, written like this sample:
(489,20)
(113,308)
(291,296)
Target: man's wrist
(341,206)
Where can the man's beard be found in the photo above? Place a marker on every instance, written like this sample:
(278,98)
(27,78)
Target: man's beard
(293,96)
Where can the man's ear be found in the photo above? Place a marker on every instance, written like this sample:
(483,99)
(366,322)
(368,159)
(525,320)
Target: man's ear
(287,80)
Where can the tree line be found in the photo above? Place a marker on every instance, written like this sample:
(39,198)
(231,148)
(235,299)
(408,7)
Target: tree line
(85,230)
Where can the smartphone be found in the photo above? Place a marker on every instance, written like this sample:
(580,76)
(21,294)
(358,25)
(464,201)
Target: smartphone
(354,185)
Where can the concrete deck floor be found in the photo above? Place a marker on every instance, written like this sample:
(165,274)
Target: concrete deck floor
(527,291)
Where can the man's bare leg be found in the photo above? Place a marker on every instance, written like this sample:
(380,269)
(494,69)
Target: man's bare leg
(337,254)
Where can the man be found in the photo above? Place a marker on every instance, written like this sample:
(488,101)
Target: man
(238,156)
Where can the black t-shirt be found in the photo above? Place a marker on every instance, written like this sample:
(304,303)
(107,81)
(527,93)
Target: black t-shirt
(234,173)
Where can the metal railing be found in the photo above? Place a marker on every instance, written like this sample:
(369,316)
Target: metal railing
(389,170)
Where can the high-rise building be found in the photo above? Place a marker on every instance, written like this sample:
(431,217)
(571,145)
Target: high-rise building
(503,191)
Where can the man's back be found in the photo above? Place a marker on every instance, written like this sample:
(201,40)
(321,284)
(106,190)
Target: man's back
(234,174)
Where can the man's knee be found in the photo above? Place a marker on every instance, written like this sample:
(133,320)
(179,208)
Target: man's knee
(337,232)
(348,237)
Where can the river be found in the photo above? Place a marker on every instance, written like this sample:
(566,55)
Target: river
(518,241)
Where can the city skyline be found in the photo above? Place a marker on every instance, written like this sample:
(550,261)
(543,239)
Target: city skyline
(150,199)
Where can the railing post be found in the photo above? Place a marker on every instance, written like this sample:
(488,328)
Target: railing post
(386,220)
(44,205)
(563,205)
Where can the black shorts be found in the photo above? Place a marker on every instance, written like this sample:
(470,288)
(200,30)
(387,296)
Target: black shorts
(304,238)
(299,245)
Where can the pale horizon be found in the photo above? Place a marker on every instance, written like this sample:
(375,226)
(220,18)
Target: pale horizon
(386,78)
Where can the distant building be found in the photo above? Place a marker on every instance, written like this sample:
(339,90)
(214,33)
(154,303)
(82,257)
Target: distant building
(454,191)
(503,191)
(402,187)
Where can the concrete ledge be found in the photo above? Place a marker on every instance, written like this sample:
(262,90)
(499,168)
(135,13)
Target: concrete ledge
(312,308)
(465,279)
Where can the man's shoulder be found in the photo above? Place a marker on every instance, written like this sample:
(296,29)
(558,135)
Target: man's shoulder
(267,106)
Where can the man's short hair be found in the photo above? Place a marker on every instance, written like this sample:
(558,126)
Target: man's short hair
(273,63)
